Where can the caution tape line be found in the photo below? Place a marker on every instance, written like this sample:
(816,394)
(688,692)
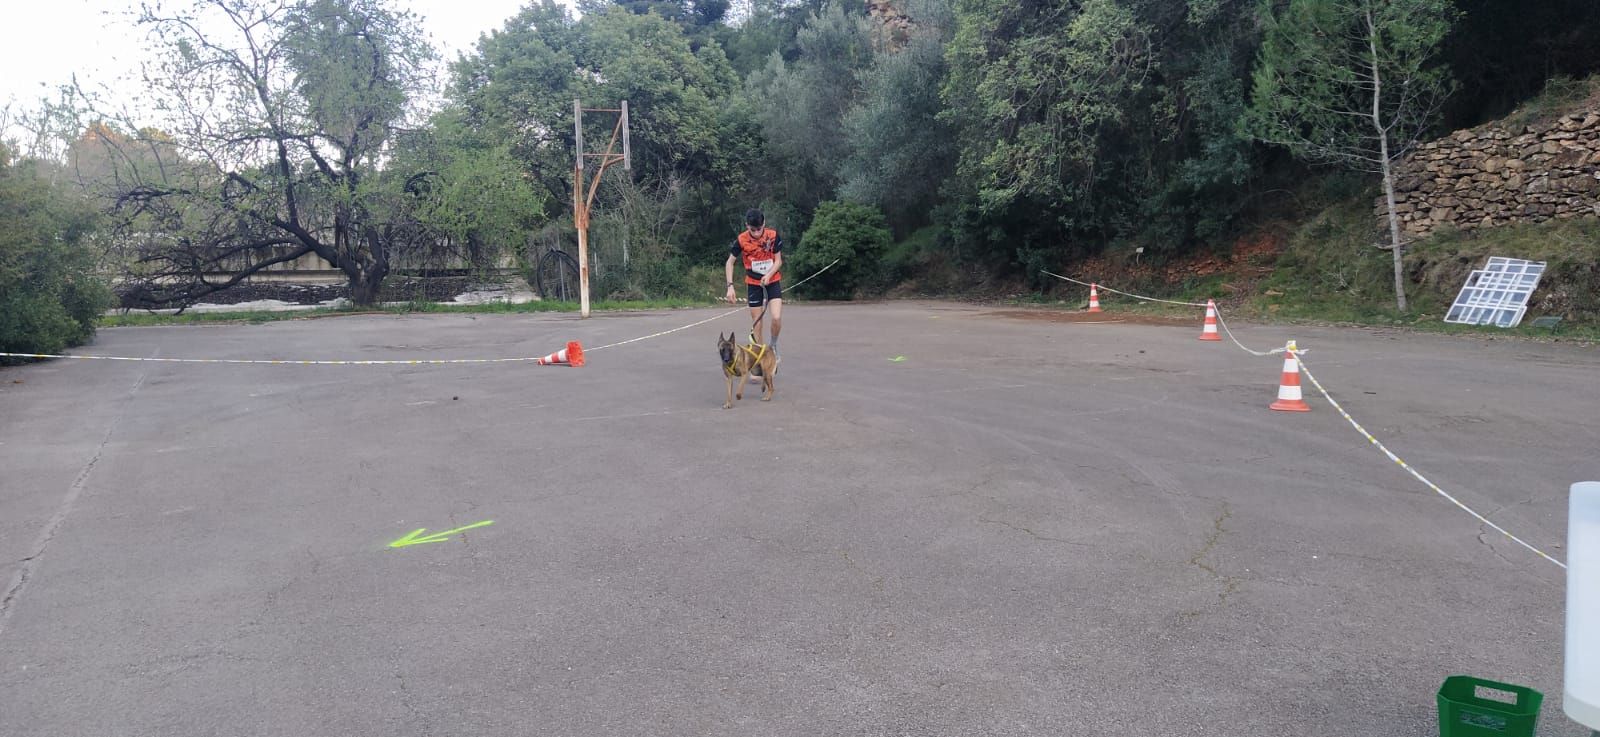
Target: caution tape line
(1125,294)
(1242,347)
(405,362)
(1441,492)
(664,332)
(1224,325)
(1296,353)
(735,310)
(275,362)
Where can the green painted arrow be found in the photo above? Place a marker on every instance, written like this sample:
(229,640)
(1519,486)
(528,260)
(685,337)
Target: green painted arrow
(437,537)
(897,359)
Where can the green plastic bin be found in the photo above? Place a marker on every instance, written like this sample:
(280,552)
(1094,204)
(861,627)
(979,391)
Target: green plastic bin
(1474,707)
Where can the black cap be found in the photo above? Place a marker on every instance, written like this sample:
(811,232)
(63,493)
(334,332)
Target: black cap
(754,217)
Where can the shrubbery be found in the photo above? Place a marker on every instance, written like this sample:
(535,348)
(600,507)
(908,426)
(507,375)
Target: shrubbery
(49,294)
(853,234)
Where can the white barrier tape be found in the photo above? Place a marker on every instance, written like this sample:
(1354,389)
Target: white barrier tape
(1242,347)
(796,285)
(1302,366)
(1413,471)
(274,362)
(664,332)
(1168,301)
(417,362)
(1105,288)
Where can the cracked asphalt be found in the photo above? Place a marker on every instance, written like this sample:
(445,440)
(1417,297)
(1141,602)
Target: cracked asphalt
(1027,527)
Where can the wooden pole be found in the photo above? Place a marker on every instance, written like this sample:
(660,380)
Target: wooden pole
(627,151)
(580,212)
(581,202)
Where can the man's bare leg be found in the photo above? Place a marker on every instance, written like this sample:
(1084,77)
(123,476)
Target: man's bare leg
(775,309)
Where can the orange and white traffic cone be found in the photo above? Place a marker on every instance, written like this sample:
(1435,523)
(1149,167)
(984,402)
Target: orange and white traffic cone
(1209,332)
(1289,399)
(572,355)
(1094,298)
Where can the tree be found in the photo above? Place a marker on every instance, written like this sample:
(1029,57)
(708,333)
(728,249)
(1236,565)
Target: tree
(470,193)
(520,81)
(803,105)
(1502,53)
(1047,99)
(689,136)
(899,155)
(1201,168)
(518,85)
(756,29)
(854,235)
(285,113)
(50,295)
(104,161)
(699,18)
(1352,82)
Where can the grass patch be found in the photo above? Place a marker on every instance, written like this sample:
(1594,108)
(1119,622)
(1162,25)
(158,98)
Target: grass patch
(1330,273)
(1561,95)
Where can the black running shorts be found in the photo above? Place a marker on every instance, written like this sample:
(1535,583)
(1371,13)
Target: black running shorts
(758,295)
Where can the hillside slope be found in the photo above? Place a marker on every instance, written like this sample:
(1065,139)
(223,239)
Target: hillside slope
(1323,264)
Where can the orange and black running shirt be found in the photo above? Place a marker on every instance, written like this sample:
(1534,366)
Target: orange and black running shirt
(759,253)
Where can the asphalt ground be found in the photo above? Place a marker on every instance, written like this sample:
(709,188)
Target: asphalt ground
(1022,526)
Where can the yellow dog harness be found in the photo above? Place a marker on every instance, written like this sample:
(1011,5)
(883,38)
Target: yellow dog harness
(755,357)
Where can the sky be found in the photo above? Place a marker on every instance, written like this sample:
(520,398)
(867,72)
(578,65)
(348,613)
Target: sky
(48,41)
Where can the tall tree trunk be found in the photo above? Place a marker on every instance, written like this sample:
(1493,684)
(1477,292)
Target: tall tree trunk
(1384,164)
(364,286)
(1397,249)
(367,275)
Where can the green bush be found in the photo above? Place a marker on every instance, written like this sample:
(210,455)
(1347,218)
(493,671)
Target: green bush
(912,256)
(853,234)
(662,279)
(49,295)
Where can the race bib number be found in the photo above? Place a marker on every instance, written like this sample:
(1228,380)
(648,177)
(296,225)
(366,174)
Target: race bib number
(762,267)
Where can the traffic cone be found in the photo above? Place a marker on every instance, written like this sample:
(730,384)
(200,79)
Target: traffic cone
(572,355)
(1094,298)
(1209,332)
(1289,399)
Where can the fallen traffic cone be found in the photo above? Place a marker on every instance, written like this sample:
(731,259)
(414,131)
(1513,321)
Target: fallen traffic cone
(572,355)
(1289,399)
(1209,332)
(1094,298)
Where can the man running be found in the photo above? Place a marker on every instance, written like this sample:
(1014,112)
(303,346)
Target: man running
(761,250)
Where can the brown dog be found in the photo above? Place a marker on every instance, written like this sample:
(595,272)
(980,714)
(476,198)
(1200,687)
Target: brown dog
(738,362)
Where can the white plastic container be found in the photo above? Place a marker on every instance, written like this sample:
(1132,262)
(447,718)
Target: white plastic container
(1580,698)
